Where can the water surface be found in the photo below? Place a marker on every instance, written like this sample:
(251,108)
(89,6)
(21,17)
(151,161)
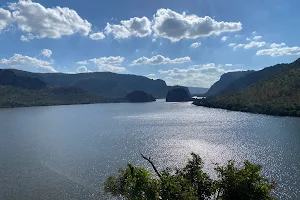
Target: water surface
(66,152)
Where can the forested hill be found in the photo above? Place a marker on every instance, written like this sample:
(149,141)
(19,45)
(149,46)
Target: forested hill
(23,91)
(225,80)
(97,82)
(9,78)
(276,95)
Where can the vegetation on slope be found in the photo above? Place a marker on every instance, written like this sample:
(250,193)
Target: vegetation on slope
(139,96)
(178,94)
(109,89)
(225,80)
(8,77)
(278,95)
(191,183)
(18,97)
(128,82)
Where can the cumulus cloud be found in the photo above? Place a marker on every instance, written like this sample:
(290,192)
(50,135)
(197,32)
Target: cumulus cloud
(150,75)
(224,39)
(228,65)
(97,36)
(238,46)
(40,22)
(175,26)
(138,27)
(258,37)
(250,45)
(248,39)
(110,68)
(18,60)
(160,60)
(46,52)
(279,51)
(108,60)
(84,62)
(275,45)
(82,69)
(197,75)
(254,44)
(5,18)
(195,45)
(106,64)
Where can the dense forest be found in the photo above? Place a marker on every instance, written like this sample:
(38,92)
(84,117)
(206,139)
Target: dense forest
(18,97)
(274,93)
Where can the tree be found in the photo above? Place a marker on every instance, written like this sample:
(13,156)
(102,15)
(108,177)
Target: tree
(191,183)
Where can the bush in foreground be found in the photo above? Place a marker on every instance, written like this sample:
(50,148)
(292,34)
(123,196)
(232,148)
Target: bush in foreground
(191,183)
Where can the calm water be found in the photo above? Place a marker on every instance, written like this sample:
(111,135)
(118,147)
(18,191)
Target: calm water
(66,152)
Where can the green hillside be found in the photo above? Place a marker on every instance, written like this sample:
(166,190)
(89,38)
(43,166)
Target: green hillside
(18,97)
(225,80)
(277,95)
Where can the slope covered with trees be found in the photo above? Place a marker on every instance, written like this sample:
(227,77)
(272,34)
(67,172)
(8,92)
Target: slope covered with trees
(19,97)
(125,82)
(277,95)
(225,80)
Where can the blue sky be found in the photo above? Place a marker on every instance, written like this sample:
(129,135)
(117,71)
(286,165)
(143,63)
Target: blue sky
(182,42)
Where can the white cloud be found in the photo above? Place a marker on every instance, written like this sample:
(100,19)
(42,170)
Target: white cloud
(41,22)
(84,62)
(108,60)
(228,65)
(174,26)
(18,60)
(151,76)
(106,64)
(97,36)
(160,60)
(238,46)
(197,75)
(139,27)
(254,44)
(110,68)
(46,52)
(250,45)
(82,69)
(279,51)
(258,37)
(254,32)
(196,45)
(248,39)
(275,45)
(224,38)
(5,18)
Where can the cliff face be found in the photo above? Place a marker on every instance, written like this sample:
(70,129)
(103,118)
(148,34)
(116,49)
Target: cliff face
(178,94)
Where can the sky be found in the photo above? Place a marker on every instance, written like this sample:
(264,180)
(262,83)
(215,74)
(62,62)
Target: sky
(190,43)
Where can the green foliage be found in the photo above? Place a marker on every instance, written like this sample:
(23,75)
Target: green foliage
(191,183)
(19,97)
(178,94)
(277,95)
(243,183)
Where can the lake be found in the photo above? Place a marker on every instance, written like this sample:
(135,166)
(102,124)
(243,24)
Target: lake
(66,152)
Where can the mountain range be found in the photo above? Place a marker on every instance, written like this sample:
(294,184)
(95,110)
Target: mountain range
(110,85)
